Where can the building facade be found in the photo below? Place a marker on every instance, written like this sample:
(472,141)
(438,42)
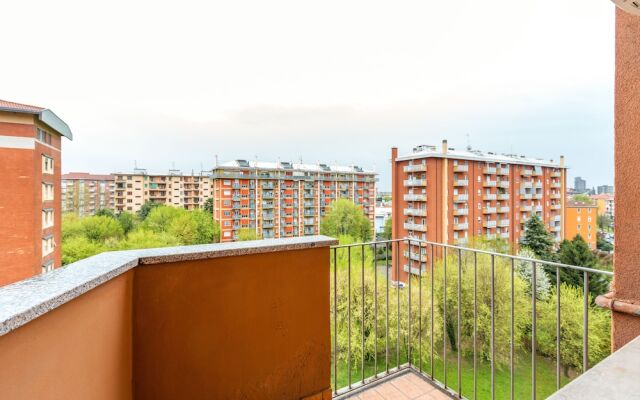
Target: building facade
(282,199)
(580,185)
(581,218)
(174,189)
(606,204)
(30,214)
(383,214)
(449,196)
(84,194)
(604,189)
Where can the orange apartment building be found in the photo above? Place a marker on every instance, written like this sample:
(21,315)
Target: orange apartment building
(284,199)
(84,193)
(581,218)
(132,190)
(450,196)
(30,146)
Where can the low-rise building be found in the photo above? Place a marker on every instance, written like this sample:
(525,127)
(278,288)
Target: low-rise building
(581,218)
(84,193)
(383,214)
(606,204)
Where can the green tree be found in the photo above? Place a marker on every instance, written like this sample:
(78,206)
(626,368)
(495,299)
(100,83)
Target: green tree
(583,198)
(101,228)
(71,226)
(525,271)
(346,218)
(386,234)
(161,217)
(603,245)
(194,227)
(78,247)
(146,209)
(127,221)
(537,239)
(605,223)
(146,239)
(208,205)
(245,234)
(577,252)
(105,212)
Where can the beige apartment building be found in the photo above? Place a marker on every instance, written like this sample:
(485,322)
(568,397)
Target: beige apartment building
(283,199)
(132,190)
(84,193)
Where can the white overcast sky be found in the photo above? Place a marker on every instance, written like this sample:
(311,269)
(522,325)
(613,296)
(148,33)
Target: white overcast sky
(333,81)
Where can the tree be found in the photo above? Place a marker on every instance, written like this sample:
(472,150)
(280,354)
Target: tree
(577,252)
(76,248)
(386,234)
(583,198)
(245,234)
(101,228)
(603,245)
(525,271)
(127,221)
(105,212)
(146,239)
(537,239)
(208,205)
(146,209)
(604,222)
(346,218)
(71,226)
(161,217)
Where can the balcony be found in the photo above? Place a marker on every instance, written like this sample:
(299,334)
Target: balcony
(460,211)
(526,172)
(503,196)
(460,182)
(503,223)
(489,210)
(555,206)
(416,256)
(489,196)
(418,212)
(556,174)
(556,184)
(526,208)
(460,168)
(461,227)
(415,182)
(554,195)
(489,183)
(537,196)
(415,197)
(415,168)
(526,196)
(460,198)
(504,235)
(415,227)
(526,185)
(489,224)
(504,184)
(538,208)
(489,170)
(503,209)
(503,171)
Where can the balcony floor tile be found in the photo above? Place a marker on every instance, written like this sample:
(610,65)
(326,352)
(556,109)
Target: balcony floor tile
(408,386)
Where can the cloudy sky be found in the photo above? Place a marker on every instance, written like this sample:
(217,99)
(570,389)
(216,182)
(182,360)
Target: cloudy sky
(163,83)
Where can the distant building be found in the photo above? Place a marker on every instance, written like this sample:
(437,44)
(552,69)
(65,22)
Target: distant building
(581,218)
(606,204)
(382,215)
(84,193)
(450,196)
(605,189)
(580,185)
(173,189)
(30,158)
(283,199)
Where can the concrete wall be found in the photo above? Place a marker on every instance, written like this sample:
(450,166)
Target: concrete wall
(627,165)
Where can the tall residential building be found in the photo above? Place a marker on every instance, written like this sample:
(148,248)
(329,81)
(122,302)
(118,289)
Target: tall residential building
(580,185)
(581,218)
(174,189)
(30,146)
(449,196)
(604,189)
(606,204)
(84,193)
(283,199)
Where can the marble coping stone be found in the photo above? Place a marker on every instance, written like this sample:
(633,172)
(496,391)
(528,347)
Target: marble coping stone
(26,300)
(615,377)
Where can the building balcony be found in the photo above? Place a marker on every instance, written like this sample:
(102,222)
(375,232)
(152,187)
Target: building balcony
(415,182)
(460,182)
(415,227)
(526,172)
(489,210)
(556,174)
(555,206)
(490,236)
(460,198)
(536,172)
(554,195)
(489,224)
(503,223)
(527,185)
(490,183)
(461,227)
(556,218)
(489,170)
(504,235)
(489,196)
(503,209)
(415,168)
(556,184)
(415,197)
(460,168)
(526,196)
(460,211)
(537,196)
(538,208)
(555,228)
(526,208)
(418,212)
(504,184)
(503,196)
(415,256)
(268,195)
(503,171)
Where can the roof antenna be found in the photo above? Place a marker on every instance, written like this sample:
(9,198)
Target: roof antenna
(468,143)
(216,161)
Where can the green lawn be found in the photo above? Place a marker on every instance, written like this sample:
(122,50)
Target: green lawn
(545,376)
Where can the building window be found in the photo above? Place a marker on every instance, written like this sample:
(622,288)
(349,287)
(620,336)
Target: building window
(47,267)
(47,218)
(47,191)
(47,165)
(47,245)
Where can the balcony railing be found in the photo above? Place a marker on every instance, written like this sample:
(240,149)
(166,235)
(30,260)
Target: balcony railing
(460,168)
(419,212)
(415,227)
(489,224)
(460,198)
(415,197)
(461,226)
(460,182)
(489,196)
(457,319)
(415,168)
(489,183)
(415,182)
(503,171)
(489,170)
(460,211)
(489,210)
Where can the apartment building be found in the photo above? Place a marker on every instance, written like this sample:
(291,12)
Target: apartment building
(132,190)
(283,199)
(606,204)
(581,218)
(448,196)
(84,193)
(30,146)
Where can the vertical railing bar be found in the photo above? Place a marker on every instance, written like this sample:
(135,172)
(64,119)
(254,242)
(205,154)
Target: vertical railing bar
(362,320)
(512,331)
(475,322)
(444,319)
(409,309)
(432,273)
(420,311)
(349,314)
(375,308)
(585,325)
(335,321)
(558,359)
(398,305)
(459,318)
(386,325)
(533,330)
(493,328)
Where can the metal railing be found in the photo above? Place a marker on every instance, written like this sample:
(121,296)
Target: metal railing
(356,297)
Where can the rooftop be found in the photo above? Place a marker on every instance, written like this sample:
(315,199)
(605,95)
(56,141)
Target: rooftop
(45,116)
(284,166)
(87,176)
